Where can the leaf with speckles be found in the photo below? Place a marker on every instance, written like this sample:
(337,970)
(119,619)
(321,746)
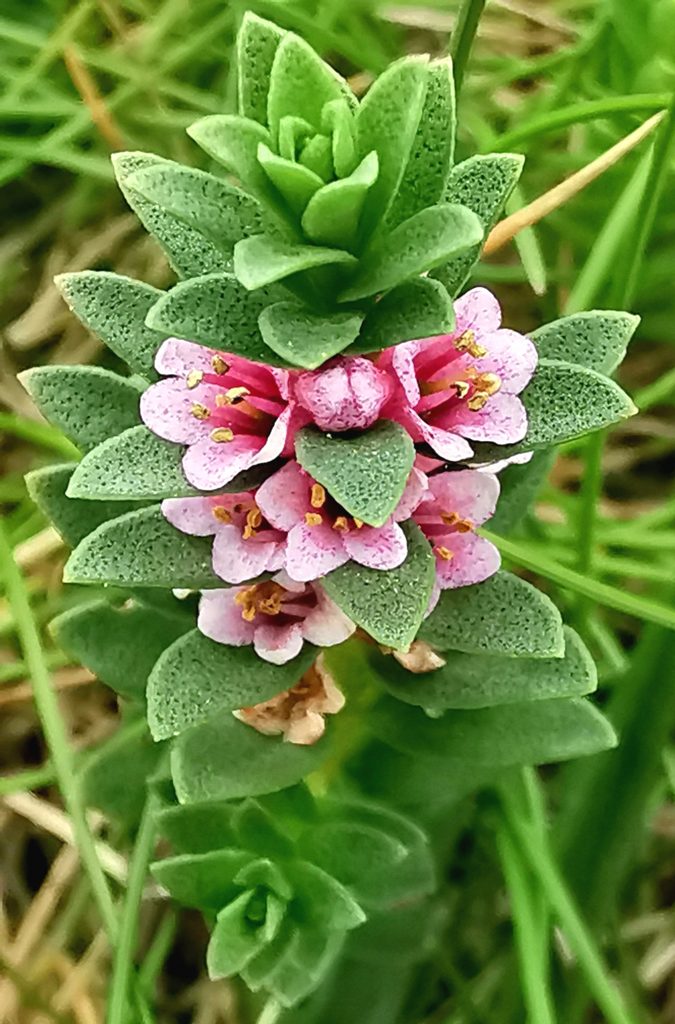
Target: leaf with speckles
(420,308)
(307,339)
(597,339)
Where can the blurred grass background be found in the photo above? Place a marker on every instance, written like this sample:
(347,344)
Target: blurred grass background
(561,81)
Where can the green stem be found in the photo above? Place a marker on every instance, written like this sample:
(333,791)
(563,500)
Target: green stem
(587,518)
(463,37)
(158,951)
(32,778)
(271,1012)
(55,734)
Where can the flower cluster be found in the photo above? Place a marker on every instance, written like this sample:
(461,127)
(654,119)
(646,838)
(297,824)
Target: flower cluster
(273,544)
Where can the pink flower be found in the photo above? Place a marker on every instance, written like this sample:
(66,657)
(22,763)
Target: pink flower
(244,545)
(465,384)
(347,394)
(456,501)
(231,413)
(276,616)
(322,535)
(297,714)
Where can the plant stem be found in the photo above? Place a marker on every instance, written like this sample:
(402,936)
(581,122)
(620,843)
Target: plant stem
(271,1012)
(462,38)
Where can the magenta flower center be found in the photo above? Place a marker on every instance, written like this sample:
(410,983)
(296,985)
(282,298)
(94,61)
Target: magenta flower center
(443,379)
(243,404)
(438,525)
(324,509)
(247,517)
(271,599)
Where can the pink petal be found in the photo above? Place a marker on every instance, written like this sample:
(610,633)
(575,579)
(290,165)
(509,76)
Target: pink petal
(477,310)
(415,489)
(191,515)
(209,464)
(220,618)
(446,443)
(512,356)
(177,357)
(313,551)
(403,365)
(470,494)
(474,560)
(283,498)
(276,441)
(278,644)
(502,420)
(326,624)
(166,408)
(347,395)
(237,560)
(377,547)
(285,581)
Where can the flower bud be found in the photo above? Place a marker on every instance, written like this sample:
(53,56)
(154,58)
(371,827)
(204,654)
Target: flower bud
(347,395)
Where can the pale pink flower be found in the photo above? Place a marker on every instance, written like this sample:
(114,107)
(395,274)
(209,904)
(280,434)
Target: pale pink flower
(322,535)
(230,412)
(244,543)
(456,501)
(298,714)
(463,385)
(276,616)
(346,394)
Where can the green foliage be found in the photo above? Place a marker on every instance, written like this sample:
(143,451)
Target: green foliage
(263,260)
(365,474)
(113,778)
(303,338)
(597,339)
(419,307)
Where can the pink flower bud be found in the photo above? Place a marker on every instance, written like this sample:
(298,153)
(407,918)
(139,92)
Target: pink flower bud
(348,395)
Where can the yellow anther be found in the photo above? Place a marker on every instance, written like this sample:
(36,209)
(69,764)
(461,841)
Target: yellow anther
(219,365)
(452,519)
(444,553)
(462,387)
(222,514)
(265,598)
(234,395)
(194,378)
(313,518)
(477,401)
(199,411)
(467,343)
(341,523)
(222,434)
(318,496)
(358,523)
(253,521)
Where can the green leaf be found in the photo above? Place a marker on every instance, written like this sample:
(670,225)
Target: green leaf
(431,154)
(87,403)
(216,311)
(119,645)
(114,775)
(420,308)
(257,830)
(388,605)
(257,43)
(483,184)
(188,251)
(537,732)
(597,339)
(235,940)
(333,213)
(387,122)
(317,155)
(73,519)
(339,122)
(197,677)
(142,549)
(483,680)
(428,238)
(204,880)
(263,260)
(115,308)
(306,339)
(197,828)
(322,899)
(139,465)
(398,937)
(208,204)
(503,615)
(308,954)
(562,402)
(301,84)
(366,474)
(223,759)
(294,182)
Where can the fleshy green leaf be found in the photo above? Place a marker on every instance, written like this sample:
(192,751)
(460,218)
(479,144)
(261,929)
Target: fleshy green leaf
(296,183)
(483,184)
(316,154)
(139,465)
(482,680)
(563,402)
(420,308)
(216,311)
(258,831)
(119,645)
(430,159)
(257,43)
(338,120)
(301,84)
(87,403)
(306,958)
(597,339)
(204,880)
(188,251)
(73,518)
(113,776)
(503,615)
(306,339)
(333,213)
(223,759)
(262,260)
(196,677)
(142,549)
(388,605)
(537,732)
(366,474)
(115,308)
(421,243)
(235,940)
(197,828)
(324,901)
(387,122)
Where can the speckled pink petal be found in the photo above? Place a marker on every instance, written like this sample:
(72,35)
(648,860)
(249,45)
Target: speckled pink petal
(477,310)
(278,644)
(502,420)
(166,408)
(470,494)
(209,464)
(415,489)
(313,551)
(347,395)
(326,624)
(237,560)
(191,515)
(283,498)
(177,357)
(446,443)
(512,356)
(377,547)
(220,618)
(474,560)
(403,365)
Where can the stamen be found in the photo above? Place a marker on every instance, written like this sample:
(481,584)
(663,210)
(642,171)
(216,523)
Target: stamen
(490,383)
(313,518)
(358,523)
(444,553)
(199,411)
(318,496)
(261,597)
(194,378)
(341,523)
(253,521)
(462,387)
(233,395)
(219,365)
(453,519)
(222,514)
(222,434)
(477,401)
(467,343)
